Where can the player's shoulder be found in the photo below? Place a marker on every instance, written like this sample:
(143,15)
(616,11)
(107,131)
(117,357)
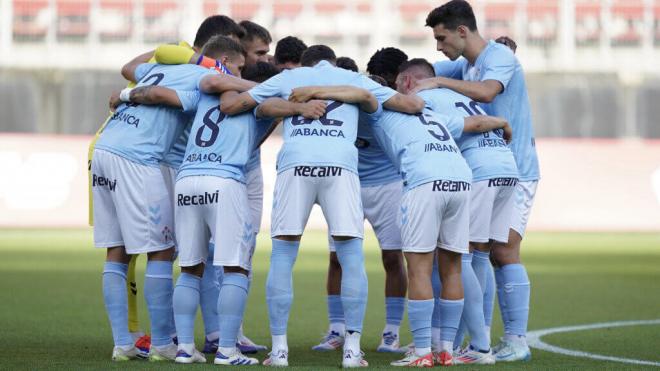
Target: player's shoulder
(499,52)
(449,68)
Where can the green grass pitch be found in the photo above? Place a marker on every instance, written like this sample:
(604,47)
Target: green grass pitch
(52,316)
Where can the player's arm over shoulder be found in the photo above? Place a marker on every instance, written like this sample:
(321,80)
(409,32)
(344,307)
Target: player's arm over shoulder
(128,70)
(341,93)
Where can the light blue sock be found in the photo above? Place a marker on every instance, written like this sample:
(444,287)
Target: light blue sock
(450,317)
(516,292)
(231,306)
(483,269)
(419,315)
(115,297)
(185,301)
(354,285)
(335,309)
(279,285)
(158,295)
(437,289)
(394,307)
(501,299)
(208,300)
(473,310)
(460,333)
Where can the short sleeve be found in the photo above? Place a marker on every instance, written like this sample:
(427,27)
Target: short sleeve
(189,100)
(203,75)
(450,69)
(499,65)
(455,124)
(268,89)
(372,118)
(142,70)
(382,93)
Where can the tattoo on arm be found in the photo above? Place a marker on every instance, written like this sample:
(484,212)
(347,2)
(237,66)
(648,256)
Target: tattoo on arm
(142,95)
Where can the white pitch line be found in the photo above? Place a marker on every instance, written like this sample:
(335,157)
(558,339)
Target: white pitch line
(534,339)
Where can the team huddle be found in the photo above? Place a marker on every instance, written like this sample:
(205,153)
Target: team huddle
(439,158)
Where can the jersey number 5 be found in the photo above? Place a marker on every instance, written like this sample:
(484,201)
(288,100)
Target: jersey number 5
(442,136)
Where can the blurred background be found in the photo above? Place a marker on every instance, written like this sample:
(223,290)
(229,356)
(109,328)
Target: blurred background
(592,72)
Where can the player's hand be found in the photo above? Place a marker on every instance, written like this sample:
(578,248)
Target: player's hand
(424,84)
(302,95)
(506,40)
(508,133)
(313,109)
(114,101)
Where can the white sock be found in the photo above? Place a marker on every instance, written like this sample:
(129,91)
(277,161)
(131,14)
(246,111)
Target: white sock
(126,347)
(188,348)
(422,351)
(435,338)
(517,339)
(391,328)
(280,343)
(338,327)
(488,333)
(227,351)
(447,346)
(215,335)
(163,347)
(240,332)
(352,342)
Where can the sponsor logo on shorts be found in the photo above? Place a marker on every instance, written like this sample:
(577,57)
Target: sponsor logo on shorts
(450,186)
(317,132)
(440,147)
(502,182)
(126,118)
(194,200)
(99,181)
(204,157)
(167,234)
(317,171)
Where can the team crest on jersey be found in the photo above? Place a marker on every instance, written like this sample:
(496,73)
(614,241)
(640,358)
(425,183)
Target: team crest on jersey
(167,234)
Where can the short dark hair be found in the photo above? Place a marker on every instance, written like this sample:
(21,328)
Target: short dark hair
(217,25)
(219,44)
(259,72)
(289,49)
(253,30)
(378,79)
(316,53)
(385,63)
(347,64)
(418,62)
(453,14)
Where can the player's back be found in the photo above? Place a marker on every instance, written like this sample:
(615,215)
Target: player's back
(255,158)
(422,147)
(218,145)
(374,166)
(486,153)
(144,133)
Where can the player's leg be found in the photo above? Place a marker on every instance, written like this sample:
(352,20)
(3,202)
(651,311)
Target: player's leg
(233,238)
(513,280)
(208,302)
(108,234)
(340,201)
(334,337)
(292,202)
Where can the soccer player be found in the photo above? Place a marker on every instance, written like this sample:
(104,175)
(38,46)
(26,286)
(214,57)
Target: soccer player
(255,42)
(317,163)
(385,63)
(489,72)
(494,175)
(381,190)
(288,52)
(347,64)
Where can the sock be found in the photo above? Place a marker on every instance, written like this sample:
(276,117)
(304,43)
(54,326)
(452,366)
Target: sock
(279,343)
(185,299)
(435,319)
(450,317)
(473,310)
(354,286)
(460,333)
(516,293)
(231,306)
(483,269)
(279,285)
(158,295)
(501,299)
(335,311)
(394,307)
(352,341)
(115,296)
(436,334)
(419,315)
(339,328)
(208,295)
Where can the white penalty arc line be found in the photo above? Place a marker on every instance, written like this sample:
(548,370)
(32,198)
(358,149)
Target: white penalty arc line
(534,339)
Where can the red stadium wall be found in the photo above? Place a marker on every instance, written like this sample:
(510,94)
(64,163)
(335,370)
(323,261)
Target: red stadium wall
(586,185)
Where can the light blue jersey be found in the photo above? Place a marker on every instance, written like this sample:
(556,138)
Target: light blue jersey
(497,62)
(219,145)
(255,157)
(486,153)
(329,141)
(421,146)
(144,133)
(374,167)
(174,157)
